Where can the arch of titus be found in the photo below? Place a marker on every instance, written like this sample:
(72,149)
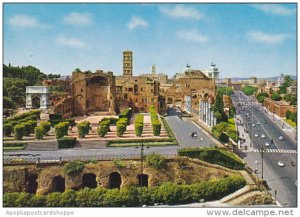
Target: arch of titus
(43,91)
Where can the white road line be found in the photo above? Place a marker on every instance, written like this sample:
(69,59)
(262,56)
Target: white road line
(279,151)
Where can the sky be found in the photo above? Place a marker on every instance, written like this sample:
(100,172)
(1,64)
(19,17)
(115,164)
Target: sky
(243,40)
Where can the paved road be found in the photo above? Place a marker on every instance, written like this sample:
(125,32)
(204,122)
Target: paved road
(281,179)
(183,129)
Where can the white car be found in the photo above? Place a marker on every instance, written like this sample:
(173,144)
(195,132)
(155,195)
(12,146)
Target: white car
(253,125)
(281,138)
(256,135)
(267,144)
(263,136)
(281,164)
(258,123)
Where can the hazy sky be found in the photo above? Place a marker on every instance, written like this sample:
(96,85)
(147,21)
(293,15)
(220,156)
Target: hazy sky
(241,39)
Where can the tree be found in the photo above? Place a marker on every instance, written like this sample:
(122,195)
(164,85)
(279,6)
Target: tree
(225,90)
(249,90)
(275,97)
(287,81)
(219,109)
(156,161)
(8,103)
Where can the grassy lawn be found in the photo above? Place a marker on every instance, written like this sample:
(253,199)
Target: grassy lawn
(293,124)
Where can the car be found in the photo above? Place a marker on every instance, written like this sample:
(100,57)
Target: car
(281,138)
(280,163)
(247,114)
(258,123)
(267,144)
(256,135)
(253,125)
(263,136)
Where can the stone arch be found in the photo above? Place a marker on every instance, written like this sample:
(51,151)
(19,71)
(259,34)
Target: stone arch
(89,180)
(143,180)
(32,183)
(58,184)
(115,180)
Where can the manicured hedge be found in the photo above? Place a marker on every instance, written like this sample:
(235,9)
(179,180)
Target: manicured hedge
(83,129)
(19,131)
(113,121)
(103,127)
(215,156)
(39,132)
(139,124)
(46,126)
(121,126)
(156,125)
(70,120)
(27,128)
(24,115)
(66,142)
(126,114)
(7,129)
(60,130)
(14,144)
(167,193)
(33,124)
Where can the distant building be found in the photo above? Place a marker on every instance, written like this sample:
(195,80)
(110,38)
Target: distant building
(291,90)
(253,80)
(278,107)
(127,63)
(212,71)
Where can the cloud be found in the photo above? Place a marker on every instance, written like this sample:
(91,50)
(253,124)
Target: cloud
(70,42)
(275,9)
(136,22)
(23,21)
(78,19)
(192,35)
(262,37)
(180,11)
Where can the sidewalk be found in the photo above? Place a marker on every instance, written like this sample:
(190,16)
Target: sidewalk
(244,135)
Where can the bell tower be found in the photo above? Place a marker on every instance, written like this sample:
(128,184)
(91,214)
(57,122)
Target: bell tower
(127,62)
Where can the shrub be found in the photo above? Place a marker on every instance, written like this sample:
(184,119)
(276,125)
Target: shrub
(53,199)
(9,199)
(39,132)
(121,126)
(156,125)
(14,123)
(7,129)
(66,142)
(118,163)
(73,167)
(224,137)
(27,128)
(60,130)
(23,200)
(81,129)
(68,198)
(46,126)
(138,124)
(55,116)
(33,124)
(215,156)
(103,128)
(19,131)
(127,113)
(156,161)
(113,121)
(38,201)
(14,144)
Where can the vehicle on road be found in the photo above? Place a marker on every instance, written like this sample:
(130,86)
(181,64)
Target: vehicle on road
(263,136)
(280,163)
(267,144)
(256,135)
(258,123)
(280,138)
(253,125)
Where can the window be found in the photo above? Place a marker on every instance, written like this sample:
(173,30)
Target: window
(141,89)
(151,90)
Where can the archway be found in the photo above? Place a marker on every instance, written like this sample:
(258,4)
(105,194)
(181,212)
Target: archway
(89,180)
(115,180)
(36,101)
(58,184)
(143,180)
(32,183)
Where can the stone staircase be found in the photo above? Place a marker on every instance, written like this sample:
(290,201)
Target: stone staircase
(236,194)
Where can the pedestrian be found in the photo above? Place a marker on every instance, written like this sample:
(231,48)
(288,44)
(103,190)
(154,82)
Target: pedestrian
(192,135)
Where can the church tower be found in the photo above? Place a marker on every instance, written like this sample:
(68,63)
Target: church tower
(127,62)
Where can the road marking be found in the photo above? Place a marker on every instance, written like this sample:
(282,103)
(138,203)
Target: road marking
(278,151)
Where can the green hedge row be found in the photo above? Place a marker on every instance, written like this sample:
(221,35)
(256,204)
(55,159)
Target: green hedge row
(167,193)
(139,124)
(156,125)
(33,113)
(66,142)
(83,129)
(57,121)
(28,127)
(214,156)
(121,126)
(61,129)
(103,127)
(113,121)
(14,144)
(39,132)
(127,113)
